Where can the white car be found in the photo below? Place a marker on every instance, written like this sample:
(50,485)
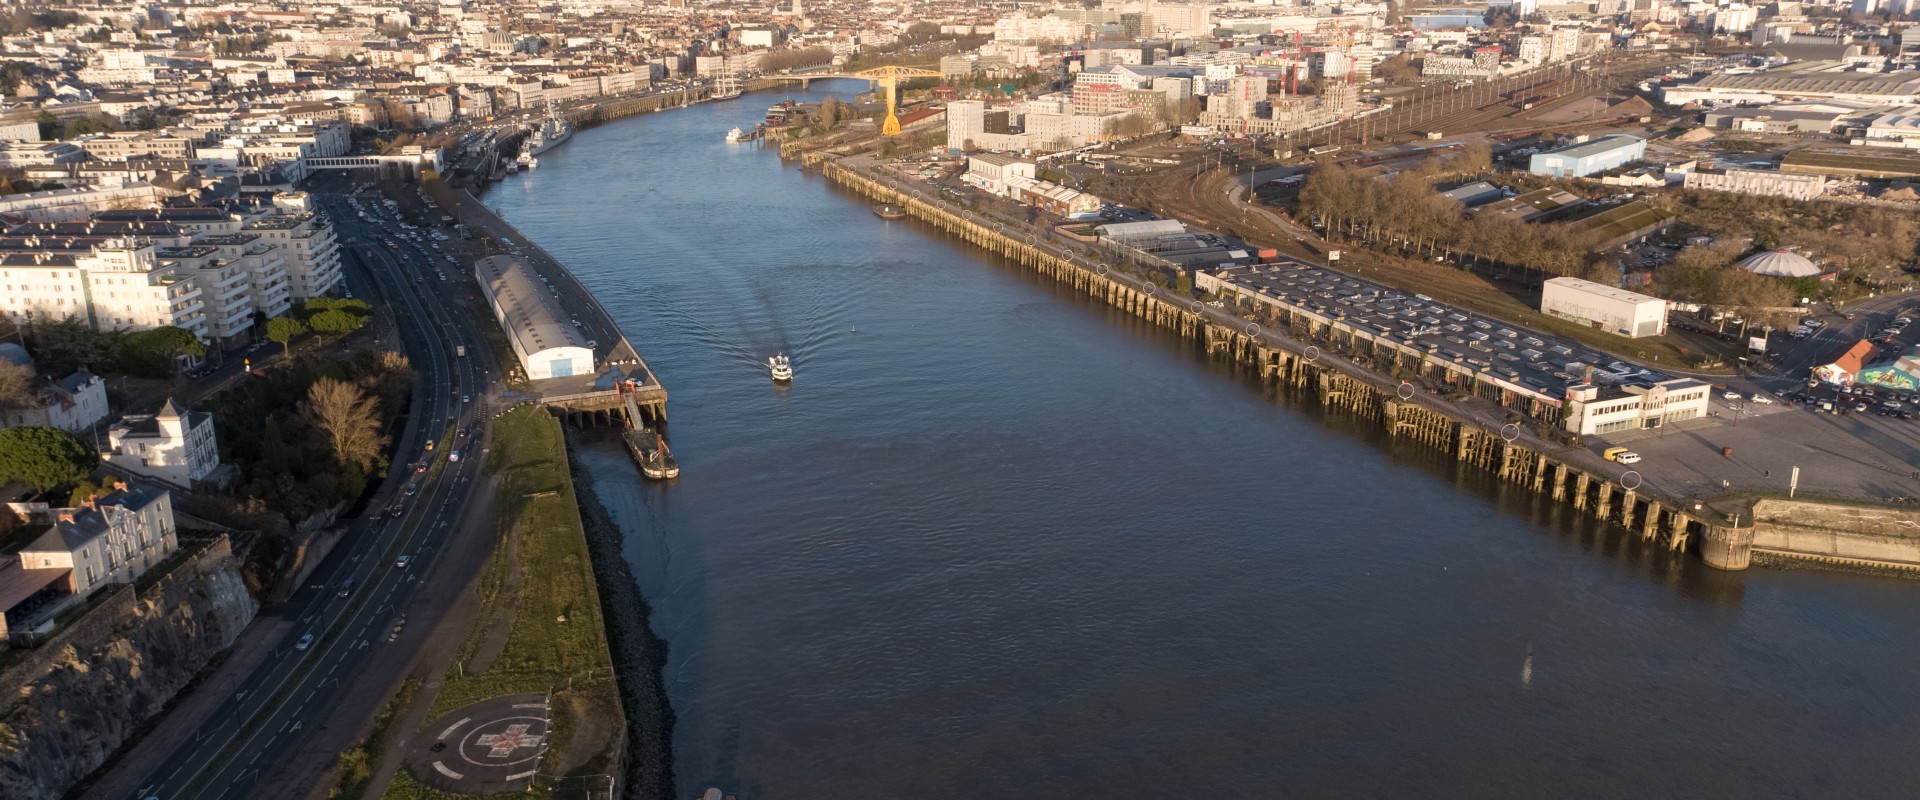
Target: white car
(1730,395)
(402,562)
(1762,399)
(304,643)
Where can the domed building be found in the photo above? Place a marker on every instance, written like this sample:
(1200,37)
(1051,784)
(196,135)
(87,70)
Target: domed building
(1781,263)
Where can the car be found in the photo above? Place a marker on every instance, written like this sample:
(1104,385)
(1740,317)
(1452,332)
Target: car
(1891,404)
(346,588)
(466,398)
(420,466)
(412,488)
(1762,399)
(1730,395)
(399,509)
(304,643)
(402,562)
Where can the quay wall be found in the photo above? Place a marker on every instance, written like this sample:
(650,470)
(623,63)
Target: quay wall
(1837,534)
(1331,373)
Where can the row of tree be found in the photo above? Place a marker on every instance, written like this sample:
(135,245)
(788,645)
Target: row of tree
(1406,212)
(63,345)
(334,315)
(311,434)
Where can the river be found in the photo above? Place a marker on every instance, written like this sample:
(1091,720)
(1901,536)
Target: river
(1000,541)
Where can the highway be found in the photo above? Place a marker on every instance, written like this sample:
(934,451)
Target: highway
(351,604)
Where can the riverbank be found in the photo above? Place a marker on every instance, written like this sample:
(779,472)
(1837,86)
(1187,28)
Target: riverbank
(540,630)
(1336,371)
(639,656)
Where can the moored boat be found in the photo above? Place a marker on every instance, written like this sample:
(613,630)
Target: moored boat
(737,135)
(889,211)
(651,452)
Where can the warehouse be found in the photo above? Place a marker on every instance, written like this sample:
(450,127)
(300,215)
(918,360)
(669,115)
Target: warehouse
(1588,158)
(1617,311)
(541,333)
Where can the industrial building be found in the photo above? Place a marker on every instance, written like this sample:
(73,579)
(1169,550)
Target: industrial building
(1617,311)
(1594,410)
(1588,158)
(541,333)
(1765,183)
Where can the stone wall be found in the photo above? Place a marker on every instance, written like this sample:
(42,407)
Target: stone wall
(70,704)
(1837,532)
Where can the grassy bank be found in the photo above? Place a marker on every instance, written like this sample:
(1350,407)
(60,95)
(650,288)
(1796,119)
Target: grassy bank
(356,765)
(554,634)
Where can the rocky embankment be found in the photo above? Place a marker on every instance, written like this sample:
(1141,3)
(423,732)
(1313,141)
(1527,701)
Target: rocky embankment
(70,704)
(639,657)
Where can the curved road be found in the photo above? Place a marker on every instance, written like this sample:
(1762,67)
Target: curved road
(353,598)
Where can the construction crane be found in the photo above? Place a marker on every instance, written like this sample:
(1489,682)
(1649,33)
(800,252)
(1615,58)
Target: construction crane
(888,79)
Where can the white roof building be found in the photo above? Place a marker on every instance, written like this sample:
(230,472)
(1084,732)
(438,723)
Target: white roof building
(541,333)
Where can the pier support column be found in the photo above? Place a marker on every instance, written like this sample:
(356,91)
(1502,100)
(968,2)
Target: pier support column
(1559,481)
(1650,522)
(1581,481)
(1627,502)
(1606,501)
(1727,547)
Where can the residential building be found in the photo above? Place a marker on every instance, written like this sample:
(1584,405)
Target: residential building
(175,446)
(61,555)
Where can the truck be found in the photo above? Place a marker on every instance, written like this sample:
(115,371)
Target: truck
(460,351)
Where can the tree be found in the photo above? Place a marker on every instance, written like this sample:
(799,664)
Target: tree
(69,343)
(349,417)
(44,458)
(334,320)
(17,389)
(155,351)
(282,330)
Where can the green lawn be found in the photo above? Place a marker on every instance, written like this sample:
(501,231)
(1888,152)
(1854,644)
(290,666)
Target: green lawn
(557,630)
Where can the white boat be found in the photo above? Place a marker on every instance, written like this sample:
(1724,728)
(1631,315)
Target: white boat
(780,368)
(737,135)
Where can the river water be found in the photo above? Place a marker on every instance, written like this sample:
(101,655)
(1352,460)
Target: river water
(998,541)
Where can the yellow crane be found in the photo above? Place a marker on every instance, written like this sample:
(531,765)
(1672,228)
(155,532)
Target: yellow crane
(888,79)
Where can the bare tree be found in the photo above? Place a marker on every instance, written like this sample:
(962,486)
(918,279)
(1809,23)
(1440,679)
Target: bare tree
(350,418)
(17,387)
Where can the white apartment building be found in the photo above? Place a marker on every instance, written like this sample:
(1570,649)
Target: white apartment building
(312,253)
(115,284)
(175,445)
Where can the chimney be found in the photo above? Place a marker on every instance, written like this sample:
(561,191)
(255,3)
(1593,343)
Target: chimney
(64,514)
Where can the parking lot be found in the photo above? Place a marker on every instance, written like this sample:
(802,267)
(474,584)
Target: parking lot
(1543,364)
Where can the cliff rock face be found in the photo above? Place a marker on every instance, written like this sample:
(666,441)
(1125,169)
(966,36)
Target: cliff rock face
(68,705)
